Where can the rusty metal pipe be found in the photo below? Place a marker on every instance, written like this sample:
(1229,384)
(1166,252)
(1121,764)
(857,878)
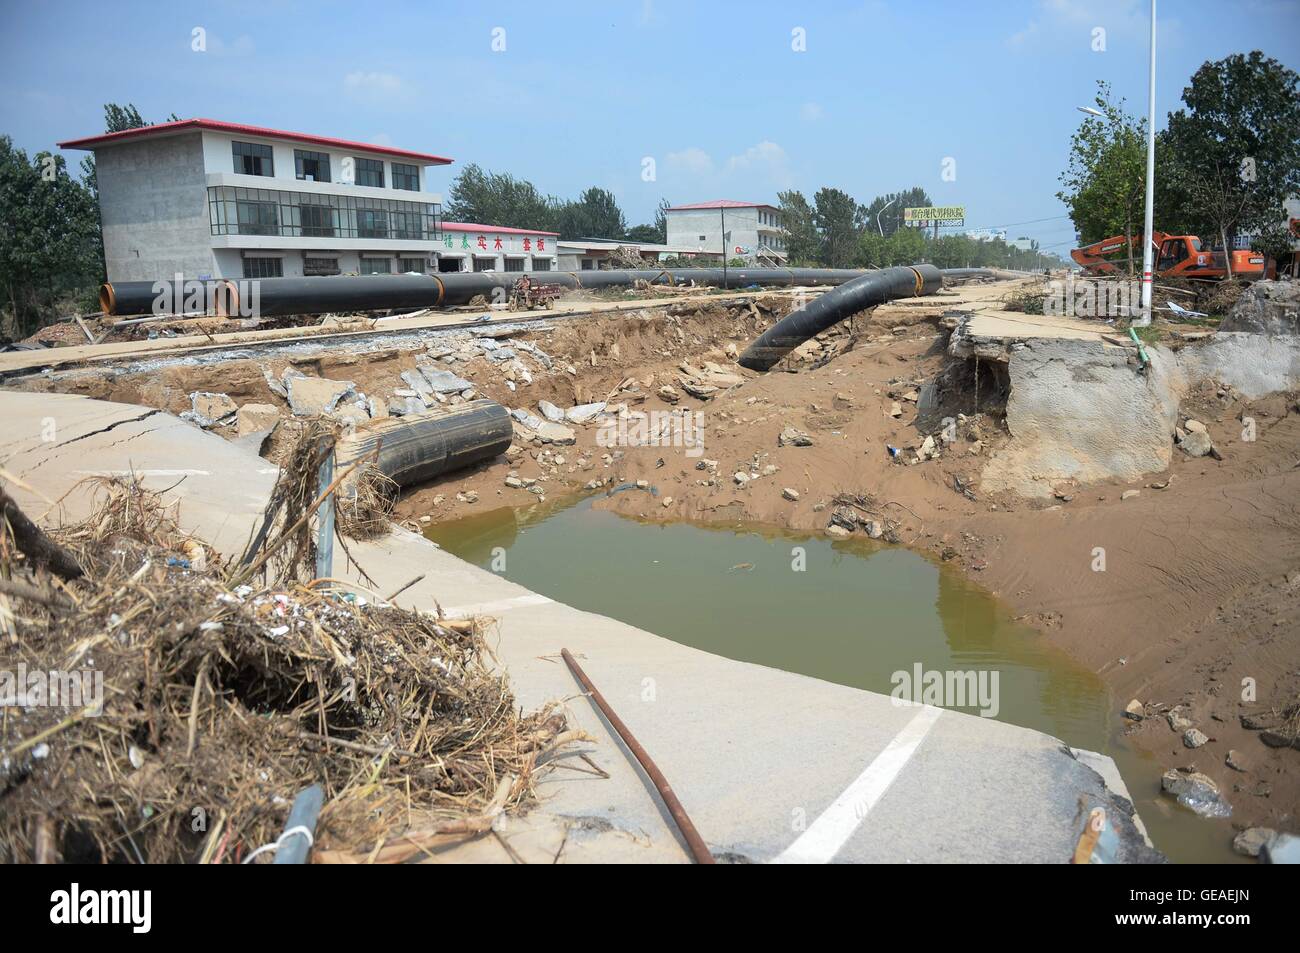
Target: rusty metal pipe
(699,850)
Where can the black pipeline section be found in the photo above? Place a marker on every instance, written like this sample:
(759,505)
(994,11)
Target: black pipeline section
(270,297)
(415,448)
(848,299)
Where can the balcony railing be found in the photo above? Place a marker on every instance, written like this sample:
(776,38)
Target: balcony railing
(234,210)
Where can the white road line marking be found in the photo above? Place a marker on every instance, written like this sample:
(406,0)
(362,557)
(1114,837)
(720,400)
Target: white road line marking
(501,605)
(153,473)
(827,835)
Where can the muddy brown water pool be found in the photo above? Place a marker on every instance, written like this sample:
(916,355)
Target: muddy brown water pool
(852,612)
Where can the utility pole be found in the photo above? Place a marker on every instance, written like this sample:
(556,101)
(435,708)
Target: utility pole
(723,210)
(1145,320)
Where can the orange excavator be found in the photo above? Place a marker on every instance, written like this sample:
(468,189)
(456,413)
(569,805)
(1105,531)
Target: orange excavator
(1176,256)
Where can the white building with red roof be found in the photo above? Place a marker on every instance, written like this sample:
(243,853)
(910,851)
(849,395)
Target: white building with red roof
(754,229)
(205,198)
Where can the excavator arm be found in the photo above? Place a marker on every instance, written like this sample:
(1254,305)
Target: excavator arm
(1095,258)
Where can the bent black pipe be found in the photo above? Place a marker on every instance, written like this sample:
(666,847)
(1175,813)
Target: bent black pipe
(416,448)
(834,306)
(270,297)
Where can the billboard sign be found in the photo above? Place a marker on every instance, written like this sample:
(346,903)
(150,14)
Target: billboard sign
(938,215)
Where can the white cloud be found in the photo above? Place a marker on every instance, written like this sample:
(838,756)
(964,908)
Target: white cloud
(692,160)
(373,85)
(766,161)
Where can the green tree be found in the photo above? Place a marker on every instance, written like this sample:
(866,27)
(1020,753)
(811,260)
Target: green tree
(499,198)
(644,233)
(595,215)
(49,238)
(802,244)
(838,219)
(661,221)
(1236,147)
(1104,185)
(885,213)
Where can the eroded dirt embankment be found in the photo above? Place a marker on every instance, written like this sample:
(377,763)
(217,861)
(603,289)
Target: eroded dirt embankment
(1176,595)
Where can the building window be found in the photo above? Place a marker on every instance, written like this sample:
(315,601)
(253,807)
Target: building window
(406,225)
(514,264)
(311,166)
(263,268)
(235,210)
(376,266)
(588,264)
(372,223)
(320,266)
(702,238)
(316,221)
(258,218)
(252,158)
(449,265)
(410,264)
(406,177)
(484,264)
(541,264)
(370,172)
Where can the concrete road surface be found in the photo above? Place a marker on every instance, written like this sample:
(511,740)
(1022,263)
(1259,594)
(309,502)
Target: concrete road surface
(771,766)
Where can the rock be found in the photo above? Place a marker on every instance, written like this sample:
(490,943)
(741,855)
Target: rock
(770,469)
(1194,426)
(1266,307)
(1284,848)
(1135,710)
(790,494)
(1130,494)
(1280,739)
(583,412)
(1252,840)
(790,437)
(514,483)
(1194,738)
(1195,791)
(730,350)
(895,409)
(468,496)
(441,381)
(550,411)
(643,484)
(928,449)
(669,394)
(741,478)
(1234,760)
(1196,444)
(668,501)
(837,531)
(405,406)
(874,529)
(415,383)
(316,396)
(555,433)
(1178,722)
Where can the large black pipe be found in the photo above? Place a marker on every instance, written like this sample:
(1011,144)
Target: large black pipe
(834,306)
(416,448)
(270,297)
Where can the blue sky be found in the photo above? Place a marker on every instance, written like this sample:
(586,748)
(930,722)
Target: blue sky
(585,92)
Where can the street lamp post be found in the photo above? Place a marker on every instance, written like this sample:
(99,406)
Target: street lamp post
(1145,320)
(882,212)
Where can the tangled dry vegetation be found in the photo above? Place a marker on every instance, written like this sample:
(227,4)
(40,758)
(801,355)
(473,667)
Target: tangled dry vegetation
(230,686)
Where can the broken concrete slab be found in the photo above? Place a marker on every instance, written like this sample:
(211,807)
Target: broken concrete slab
(315,396)
(583,413)
(254,418)
(209,410)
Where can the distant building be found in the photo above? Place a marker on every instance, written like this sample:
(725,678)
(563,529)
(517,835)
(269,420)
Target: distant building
(205,198)
(586,254)
(756,231)
(469,247)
